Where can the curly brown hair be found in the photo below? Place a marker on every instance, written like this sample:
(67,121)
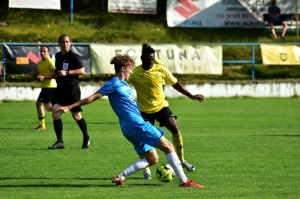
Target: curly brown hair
(122,60)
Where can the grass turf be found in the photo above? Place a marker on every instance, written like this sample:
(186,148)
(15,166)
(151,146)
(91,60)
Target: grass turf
(241,148)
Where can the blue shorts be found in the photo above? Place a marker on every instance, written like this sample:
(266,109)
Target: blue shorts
(144,137)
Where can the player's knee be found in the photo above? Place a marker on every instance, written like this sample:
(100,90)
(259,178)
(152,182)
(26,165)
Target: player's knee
(76,116)
(55,115)
(153,161)
(168,147)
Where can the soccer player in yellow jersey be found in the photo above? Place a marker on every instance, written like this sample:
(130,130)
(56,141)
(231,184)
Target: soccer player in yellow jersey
(45,69)
(147,80)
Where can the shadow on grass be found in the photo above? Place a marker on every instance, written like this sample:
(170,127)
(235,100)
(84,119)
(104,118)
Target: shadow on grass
(68,185)
(279,135)
(63,122)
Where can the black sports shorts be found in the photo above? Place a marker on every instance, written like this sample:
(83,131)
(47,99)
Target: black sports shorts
(45,95)
(276,23)
(159,116)
(66,96)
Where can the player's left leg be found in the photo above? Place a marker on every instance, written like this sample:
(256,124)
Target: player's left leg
(284,25)
(83,127)
(41,115)
(167,119)
(76,114)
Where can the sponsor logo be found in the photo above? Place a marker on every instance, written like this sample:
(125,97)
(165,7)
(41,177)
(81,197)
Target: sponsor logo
(186,9)
(283,56)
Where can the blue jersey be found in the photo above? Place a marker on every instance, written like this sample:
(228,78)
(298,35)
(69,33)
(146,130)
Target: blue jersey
(123,103)
(143,135)
(273,10)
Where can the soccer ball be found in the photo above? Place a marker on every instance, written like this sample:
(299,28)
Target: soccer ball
(165,173)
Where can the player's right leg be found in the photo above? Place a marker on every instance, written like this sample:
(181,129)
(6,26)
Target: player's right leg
(167,147)
(58,128)
(151,158)
(273,33)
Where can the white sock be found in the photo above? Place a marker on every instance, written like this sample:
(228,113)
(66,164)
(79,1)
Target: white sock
(135,167)
(176,165)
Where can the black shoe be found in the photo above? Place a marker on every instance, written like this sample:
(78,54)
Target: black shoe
(86,143)
(57,145)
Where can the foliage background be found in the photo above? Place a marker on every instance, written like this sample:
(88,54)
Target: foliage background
(92,23)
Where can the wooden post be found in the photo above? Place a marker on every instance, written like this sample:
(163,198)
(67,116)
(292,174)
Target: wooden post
(297,18)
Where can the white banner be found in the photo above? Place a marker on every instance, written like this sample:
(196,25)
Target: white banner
(35,4)
(132,6)
(180,59)
(222,13)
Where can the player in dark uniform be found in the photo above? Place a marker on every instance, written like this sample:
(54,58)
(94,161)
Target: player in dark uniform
(68,66)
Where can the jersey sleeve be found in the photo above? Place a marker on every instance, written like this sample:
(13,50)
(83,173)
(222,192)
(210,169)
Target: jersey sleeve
(168,76)
(51,64)
(77,61)
(107,88)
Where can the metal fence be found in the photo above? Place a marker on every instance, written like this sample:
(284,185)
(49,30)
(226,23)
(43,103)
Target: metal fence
(251,61)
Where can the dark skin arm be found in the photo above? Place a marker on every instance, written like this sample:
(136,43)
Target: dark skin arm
(179,87)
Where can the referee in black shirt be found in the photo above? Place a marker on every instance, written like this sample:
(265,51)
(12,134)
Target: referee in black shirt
(68,66)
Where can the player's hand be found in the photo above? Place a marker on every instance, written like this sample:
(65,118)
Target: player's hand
(198,97)
(54,75)
(62,109)
(41,78)
(62,73)
(33,73)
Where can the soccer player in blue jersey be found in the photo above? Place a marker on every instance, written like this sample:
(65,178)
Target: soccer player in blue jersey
(143,135)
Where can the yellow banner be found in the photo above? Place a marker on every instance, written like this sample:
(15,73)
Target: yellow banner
(280,55)
(180,59)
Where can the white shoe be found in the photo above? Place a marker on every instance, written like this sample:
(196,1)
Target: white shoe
(147,173)
(187,166)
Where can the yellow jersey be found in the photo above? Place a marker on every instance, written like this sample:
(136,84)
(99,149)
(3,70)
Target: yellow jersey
(149,87)
(45,68)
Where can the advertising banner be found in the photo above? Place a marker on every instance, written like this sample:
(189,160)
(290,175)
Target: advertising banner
(280,55)
(23,59)
(180,59)
(222,13)
(132,6)
(35,4)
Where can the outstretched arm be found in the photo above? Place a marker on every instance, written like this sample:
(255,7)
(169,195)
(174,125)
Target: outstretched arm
(179,87)
(82,102)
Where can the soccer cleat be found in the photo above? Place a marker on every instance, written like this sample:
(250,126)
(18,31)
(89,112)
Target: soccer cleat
(187,166)
(147,173)
(40,128)
(191,183)
(57,145)
(86,143)
(116,179)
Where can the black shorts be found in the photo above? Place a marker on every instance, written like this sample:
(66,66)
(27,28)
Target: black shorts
(276,23)
(67,96)
(46,95)
(159,116)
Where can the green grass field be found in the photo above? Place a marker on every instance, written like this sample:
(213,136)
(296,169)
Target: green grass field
(241,148)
